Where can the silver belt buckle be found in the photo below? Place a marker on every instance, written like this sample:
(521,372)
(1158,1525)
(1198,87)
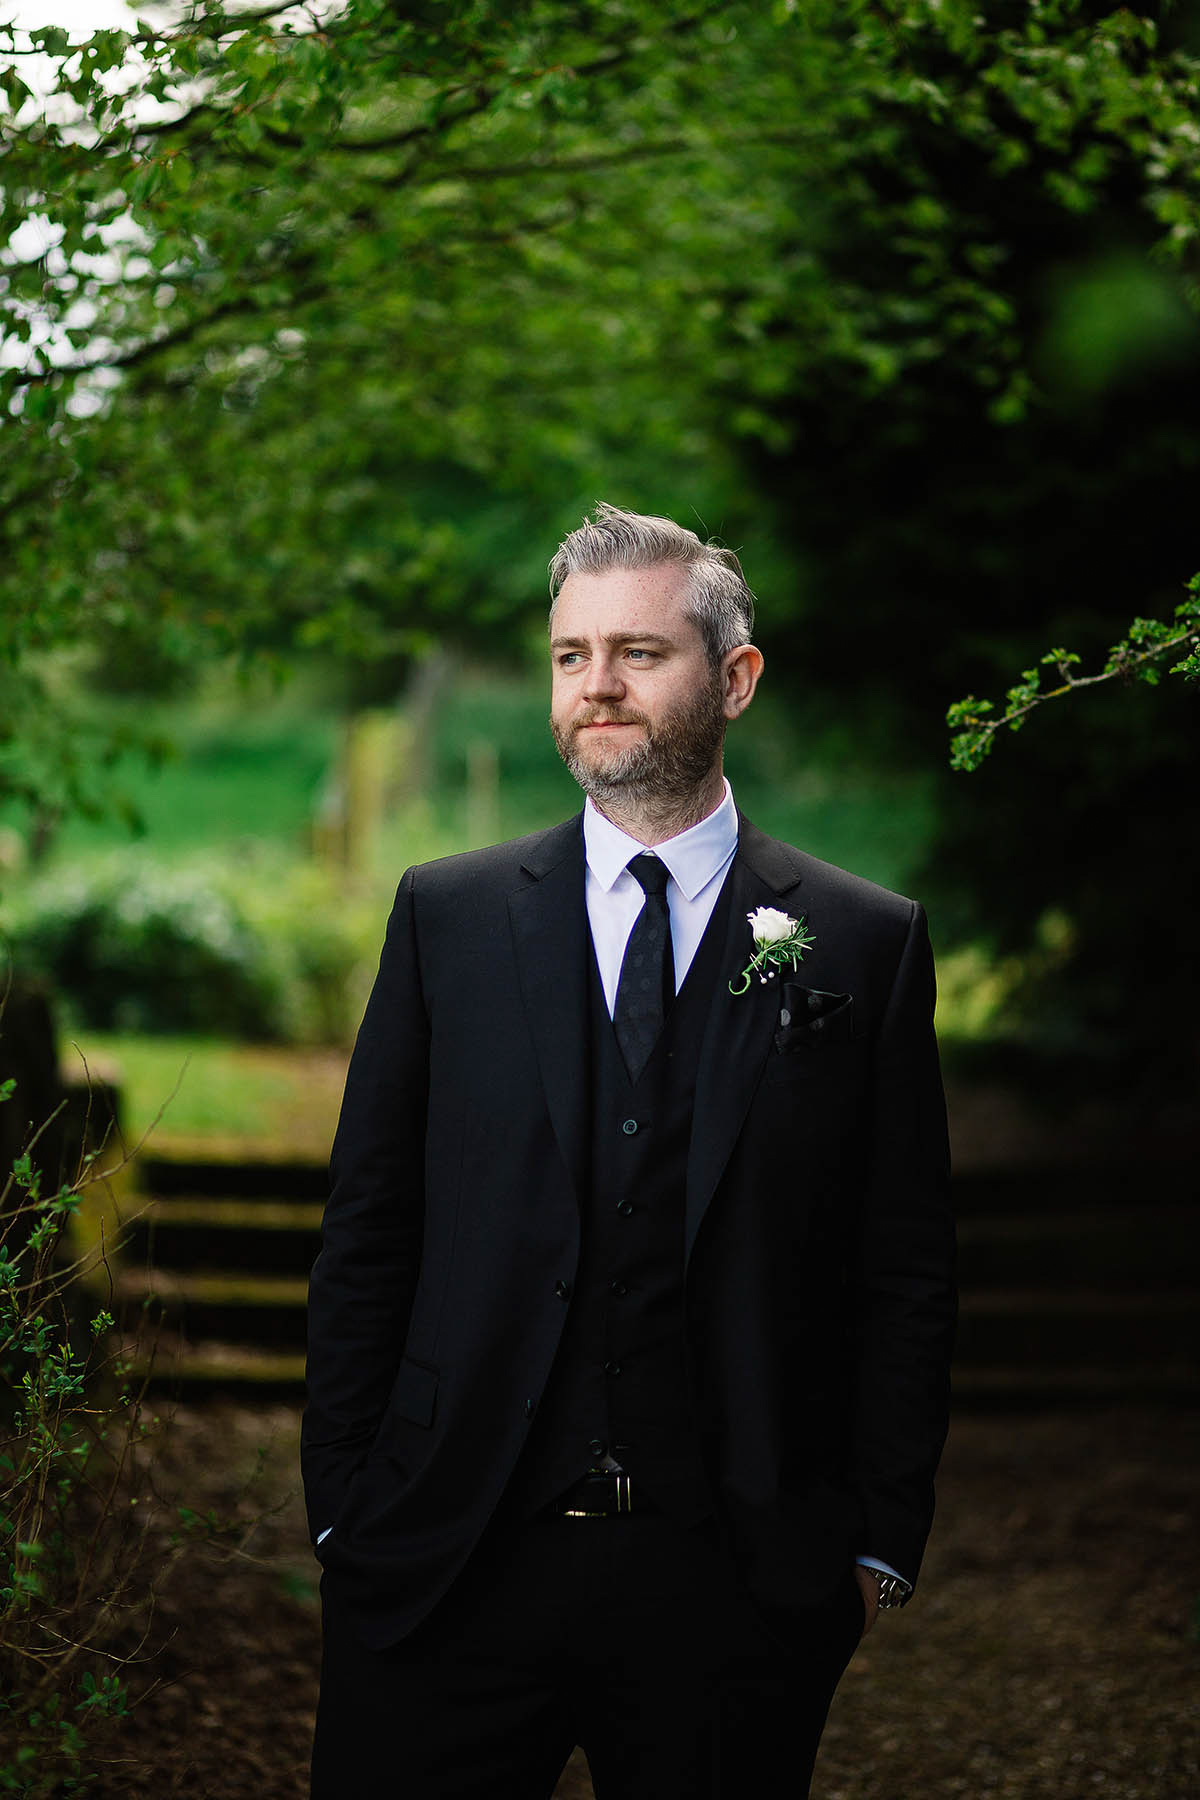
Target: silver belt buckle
(624,1502)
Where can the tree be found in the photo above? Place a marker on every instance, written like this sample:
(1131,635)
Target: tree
(334,314)
(991,446)
(308,331)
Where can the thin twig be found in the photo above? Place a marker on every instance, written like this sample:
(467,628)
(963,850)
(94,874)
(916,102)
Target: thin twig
(1081,681)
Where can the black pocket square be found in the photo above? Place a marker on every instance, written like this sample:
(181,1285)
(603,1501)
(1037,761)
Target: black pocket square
(814,1019)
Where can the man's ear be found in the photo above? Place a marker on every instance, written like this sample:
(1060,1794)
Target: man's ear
(740,670)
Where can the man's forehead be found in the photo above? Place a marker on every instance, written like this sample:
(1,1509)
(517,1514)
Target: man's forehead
(625,603)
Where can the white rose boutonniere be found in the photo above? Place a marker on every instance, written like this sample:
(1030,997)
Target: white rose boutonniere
(779,942)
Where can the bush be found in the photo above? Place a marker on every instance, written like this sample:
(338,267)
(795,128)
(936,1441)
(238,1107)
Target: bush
(131,946)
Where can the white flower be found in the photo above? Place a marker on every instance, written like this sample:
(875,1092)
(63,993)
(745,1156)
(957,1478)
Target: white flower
(769,925)
(779,943)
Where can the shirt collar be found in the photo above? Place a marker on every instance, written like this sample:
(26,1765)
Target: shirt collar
(692,857)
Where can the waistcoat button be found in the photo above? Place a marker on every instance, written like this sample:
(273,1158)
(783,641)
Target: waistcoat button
(629,1127)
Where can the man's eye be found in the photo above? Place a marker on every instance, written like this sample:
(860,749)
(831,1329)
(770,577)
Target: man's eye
(569,660)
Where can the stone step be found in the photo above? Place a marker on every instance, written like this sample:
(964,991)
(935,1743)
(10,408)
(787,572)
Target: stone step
(191,1233)
(188,1371)
(225,1306)
(1076,1285)
(246,1178)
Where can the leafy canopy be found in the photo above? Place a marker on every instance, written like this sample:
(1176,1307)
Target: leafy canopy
(309,311)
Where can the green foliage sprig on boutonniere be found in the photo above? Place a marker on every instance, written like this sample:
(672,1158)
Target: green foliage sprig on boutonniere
(779,942)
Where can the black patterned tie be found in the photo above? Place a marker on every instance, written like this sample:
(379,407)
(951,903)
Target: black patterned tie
(647,984)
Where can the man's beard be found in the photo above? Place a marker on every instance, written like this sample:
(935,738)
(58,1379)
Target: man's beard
(666,768)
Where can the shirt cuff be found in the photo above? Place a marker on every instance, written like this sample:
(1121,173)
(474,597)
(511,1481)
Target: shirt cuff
(872,1562)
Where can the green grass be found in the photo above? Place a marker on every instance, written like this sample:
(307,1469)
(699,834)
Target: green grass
(253,773)
(189,1090)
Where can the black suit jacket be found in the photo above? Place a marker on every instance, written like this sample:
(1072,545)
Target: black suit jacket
(818,1242)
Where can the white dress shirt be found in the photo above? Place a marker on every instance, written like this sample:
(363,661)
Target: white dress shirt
(697,861)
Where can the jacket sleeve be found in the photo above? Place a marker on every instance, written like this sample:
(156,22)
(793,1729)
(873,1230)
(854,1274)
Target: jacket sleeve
(363,1281)
(903,1304)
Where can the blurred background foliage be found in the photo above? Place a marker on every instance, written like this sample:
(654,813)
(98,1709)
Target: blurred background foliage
(322,326)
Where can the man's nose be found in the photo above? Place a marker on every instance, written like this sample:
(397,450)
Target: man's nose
(604,678)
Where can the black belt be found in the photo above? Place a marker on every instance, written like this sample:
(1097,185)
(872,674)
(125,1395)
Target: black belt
(603,1495)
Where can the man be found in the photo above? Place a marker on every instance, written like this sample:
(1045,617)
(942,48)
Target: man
(630,1330)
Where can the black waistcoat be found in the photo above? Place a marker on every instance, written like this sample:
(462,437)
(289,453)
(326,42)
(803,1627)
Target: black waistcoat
(620,1383)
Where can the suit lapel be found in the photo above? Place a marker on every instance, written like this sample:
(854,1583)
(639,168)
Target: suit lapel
(548,918)
(737,1037)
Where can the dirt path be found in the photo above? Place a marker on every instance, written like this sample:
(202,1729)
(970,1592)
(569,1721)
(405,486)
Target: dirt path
(1053,1652)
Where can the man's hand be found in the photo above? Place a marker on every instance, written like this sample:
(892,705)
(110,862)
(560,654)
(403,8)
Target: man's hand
(870,1593)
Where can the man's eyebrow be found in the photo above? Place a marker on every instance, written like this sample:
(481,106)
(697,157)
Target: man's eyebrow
(616,638)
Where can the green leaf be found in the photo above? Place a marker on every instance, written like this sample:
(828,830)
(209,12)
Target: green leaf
(146,181)
(52,40)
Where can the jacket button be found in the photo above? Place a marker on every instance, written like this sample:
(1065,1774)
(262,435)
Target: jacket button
(563,1289)
(612,1368)
(529,1408)
(618,1288)
(625,1207)
(597,1447)
(629,1127)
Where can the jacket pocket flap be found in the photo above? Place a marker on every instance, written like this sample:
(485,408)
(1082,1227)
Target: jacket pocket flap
(414,1392)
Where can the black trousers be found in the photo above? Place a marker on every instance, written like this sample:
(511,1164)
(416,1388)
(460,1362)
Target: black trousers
(629,1636)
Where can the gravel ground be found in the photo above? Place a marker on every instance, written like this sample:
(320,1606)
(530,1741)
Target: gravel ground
(1052,1652)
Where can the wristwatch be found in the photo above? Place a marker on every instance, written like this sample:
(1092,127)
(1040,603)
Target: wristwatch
(893,1589)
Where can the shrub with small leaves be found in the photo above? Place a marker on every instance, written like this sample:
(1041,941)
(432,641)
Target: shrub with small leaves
(70,1433)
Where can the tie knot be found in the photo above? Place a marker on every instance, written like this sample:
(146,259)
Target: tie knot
(650,874)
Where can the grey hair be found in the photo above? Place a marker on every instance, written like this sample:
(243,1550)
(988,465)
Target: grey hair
(718,601)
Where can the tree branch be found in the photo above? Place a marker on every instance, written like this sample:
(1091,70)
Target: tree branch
(974,735)
(568,165)
(138,353)
(573,165)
